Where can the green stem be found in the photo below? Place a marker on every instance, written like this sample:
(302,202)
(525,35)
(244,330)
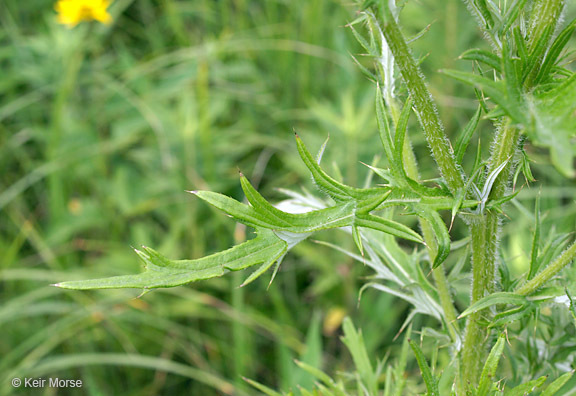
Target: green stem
(434,133)
(484,230)
(423,103)
(547,273)
(411,167)
(503,150)
(441,282)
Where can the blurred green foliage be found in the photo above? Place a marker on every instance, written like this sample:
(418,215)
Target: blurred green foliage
(103,128)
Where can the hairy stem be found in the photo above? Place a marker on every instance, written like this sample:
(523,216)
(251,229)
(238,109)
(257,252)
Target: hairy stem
(484,230)
(436,137)
(547,273)
(423,103)
(411,167)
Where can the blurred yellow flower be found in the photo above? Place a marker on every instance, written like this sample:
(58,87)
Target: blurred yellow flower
(72,12)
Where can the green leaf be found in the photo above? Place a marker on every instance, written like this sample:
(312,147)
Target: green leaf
(338,191)
(554,52)
(335,189)
(400,134)
(558,383)
(511,75)
(526,388)
(489,370)
(466,135)
(384,128)
(493,299)
(511,15)
(535,242)
(261,205)
(240,212)
(355,343)
(512,315)
(440,232)
(358,239)
(495,89)
(388,226)
(370,49)
(400,369)
(162,272)
(481,56)
(553,124)
(317,373)
(262,388)
(481,7)
(427,376)
(539,46)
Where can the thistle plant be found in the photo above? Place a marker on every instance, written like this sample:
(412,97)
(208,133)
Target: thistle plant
(527,91)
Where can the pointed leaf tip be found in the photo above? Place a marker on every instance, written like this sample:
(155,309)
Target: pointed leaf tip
(195,192)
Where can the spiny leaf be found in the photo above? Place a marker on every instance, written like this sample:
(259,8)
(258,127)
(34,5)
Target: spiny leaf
(485,11)
(427,376)
(495,89)
(511,74)
(355,343)
(262,388)
(512,315)
(162,272)
(400,133)
(322,376)
(388,226)
(260,204)
(558,383)
(333,217)
(488,58)
(384,127)
(240,212)
(357,239)
(493,299)
(539,46)
(466,135)
(264,267)
(526,388)
(535,241)
(441,234)
(553,123)
(512,14)
(370,49)
(554,52)
(489,370)
(337,190)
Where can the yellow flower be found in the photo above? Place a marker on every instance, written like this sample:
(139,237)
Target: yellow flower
(72,12)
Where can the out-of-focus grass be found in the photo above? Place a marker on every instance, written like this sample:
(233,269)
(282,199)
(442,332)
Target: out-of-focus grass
(103,128)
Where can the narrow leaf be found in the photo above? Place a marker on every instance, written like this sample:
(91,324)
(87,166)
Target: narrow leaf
(489,370)
(481,56)
(388,226)
(262,388)
(162,272)
(466,135)
(493,299)
(427,376)
(441,233)
(558,383)
(535,242)
(526,388)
